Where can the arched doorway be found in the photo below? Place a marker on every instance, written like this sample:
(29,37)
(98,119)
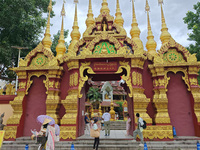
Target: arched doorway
(99,76)
(180,105)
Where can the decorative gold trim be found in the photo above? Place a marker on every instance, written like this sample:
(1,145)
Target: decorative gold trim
(175,70)
(83,78)
(68,132)
(126,78)
(37,74)
(11,132)
(158,132)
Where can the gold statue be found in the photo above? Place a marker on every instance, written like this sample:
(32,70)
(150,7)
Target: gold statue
(104,25)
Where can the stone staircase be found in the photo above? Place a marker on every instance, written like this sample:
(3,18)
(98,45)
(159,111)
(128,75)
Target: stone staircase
(118,125)
(105,144)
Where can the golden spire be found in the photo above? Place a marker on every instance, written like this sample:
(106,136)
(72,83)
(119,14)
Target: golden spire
(90,20)
(104,7)
(61,48)
(47,36)
(165,35)
(119,20)
(135,31)
(75,34)
(151,43)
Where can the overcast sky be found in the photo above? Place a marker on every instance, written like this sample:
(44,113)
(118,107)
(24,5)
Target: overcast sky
(174,11)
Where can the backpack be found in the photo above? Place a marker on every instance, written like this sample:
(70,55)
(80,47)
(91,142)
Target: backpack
(144,125)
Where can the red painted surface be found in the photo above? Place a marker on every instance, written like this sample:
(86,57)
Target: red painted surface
(148,86)
(131,113)
(179,105)
(5,99)
(64,86)
(35,105)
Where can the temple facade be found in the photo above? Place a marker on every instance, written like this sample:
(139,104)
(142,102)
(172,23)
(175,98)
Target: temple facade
(160,85)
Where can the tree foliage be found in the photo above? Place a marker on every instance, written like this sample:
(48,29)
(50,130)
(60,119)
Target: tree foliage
(55,40)
(94,95)
(192,20)
(21,24)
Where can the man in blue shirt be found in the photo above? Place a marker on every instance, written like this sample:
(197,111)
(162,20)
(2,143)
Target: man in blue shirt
(87,124)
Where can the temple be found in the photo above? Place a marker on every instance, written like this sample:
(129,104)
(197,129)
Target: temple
(160,85)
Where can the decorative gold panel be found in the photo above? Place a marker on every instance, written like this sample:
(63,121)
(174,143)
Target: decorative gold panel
(73,64)
(11,132)
(175,70)
(158,132)
(126,78)
(68,132)
(83,78)
(37,74)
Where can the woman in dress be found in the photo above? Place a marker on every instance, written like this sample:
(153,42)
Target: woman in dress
(96,139)
(128,124)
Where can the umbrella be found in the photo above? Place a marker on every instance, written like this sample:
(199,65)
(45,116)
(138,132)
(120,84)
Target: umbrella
(57,129)
(41,119)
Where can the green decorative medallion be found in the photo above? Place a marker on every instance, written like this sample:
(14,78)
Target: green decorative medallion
(39,61)
(173,56)
(104,48)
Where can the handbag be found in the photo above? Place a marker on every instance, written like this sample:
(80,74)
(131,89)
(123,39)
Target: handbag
(94,133)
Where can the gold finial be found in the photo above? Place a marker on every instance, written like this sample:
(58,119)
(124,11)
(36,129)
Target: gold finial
(135,31)
(118,20)
(75,34)
(47,36)
(165,35)
(151,43)
(61,48)
(104,7)
(90,20)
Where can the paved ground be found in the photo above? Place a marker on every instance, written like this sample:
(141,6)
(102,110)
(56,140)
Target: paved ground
(114,134)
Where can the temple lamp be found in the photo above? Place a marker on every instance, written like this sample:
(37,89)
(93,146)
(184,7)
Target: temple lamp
(19,50)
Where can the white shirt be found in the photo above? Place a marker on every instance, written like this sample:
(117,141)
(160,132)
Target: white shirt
(95,126)
(106,116)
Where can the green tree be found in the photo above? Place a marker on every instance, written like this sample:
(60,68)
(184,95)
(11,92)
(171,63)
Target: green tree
(94,95)
(21,24)
(192,20)
(55,41)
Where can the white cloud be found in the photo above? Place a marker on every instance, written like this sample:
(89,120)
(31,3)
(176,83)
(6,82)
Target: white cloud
(174,11)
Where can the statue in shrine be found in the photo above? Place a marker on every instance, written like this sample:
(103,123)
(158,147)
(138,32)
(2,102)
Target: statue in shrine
(104,25)
(106,96)
(1,121)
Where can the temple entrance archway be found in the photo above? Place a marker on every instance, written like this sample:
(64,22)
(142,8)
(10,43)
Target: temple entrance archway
(92,73)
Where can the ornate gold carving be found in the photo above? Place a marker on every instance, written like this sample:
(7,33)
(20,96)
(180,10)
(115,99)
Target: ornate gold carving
(39,61)
(39,48)
(158,132)
(83,78)
(173,44)
(173,56)
(73,64)
(75,79)
(104,37)
(57,84)
(10,90)
(127,77)
(175,70)
(37,74)
(192,58)
(51,84)
(22,85)
(134,78)
(104,48)
(11,132)
(68,132)
(193,81)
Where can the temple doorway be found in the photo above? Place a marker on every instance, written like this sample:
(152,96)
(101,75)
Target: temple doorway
(114,93)
(180,105)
